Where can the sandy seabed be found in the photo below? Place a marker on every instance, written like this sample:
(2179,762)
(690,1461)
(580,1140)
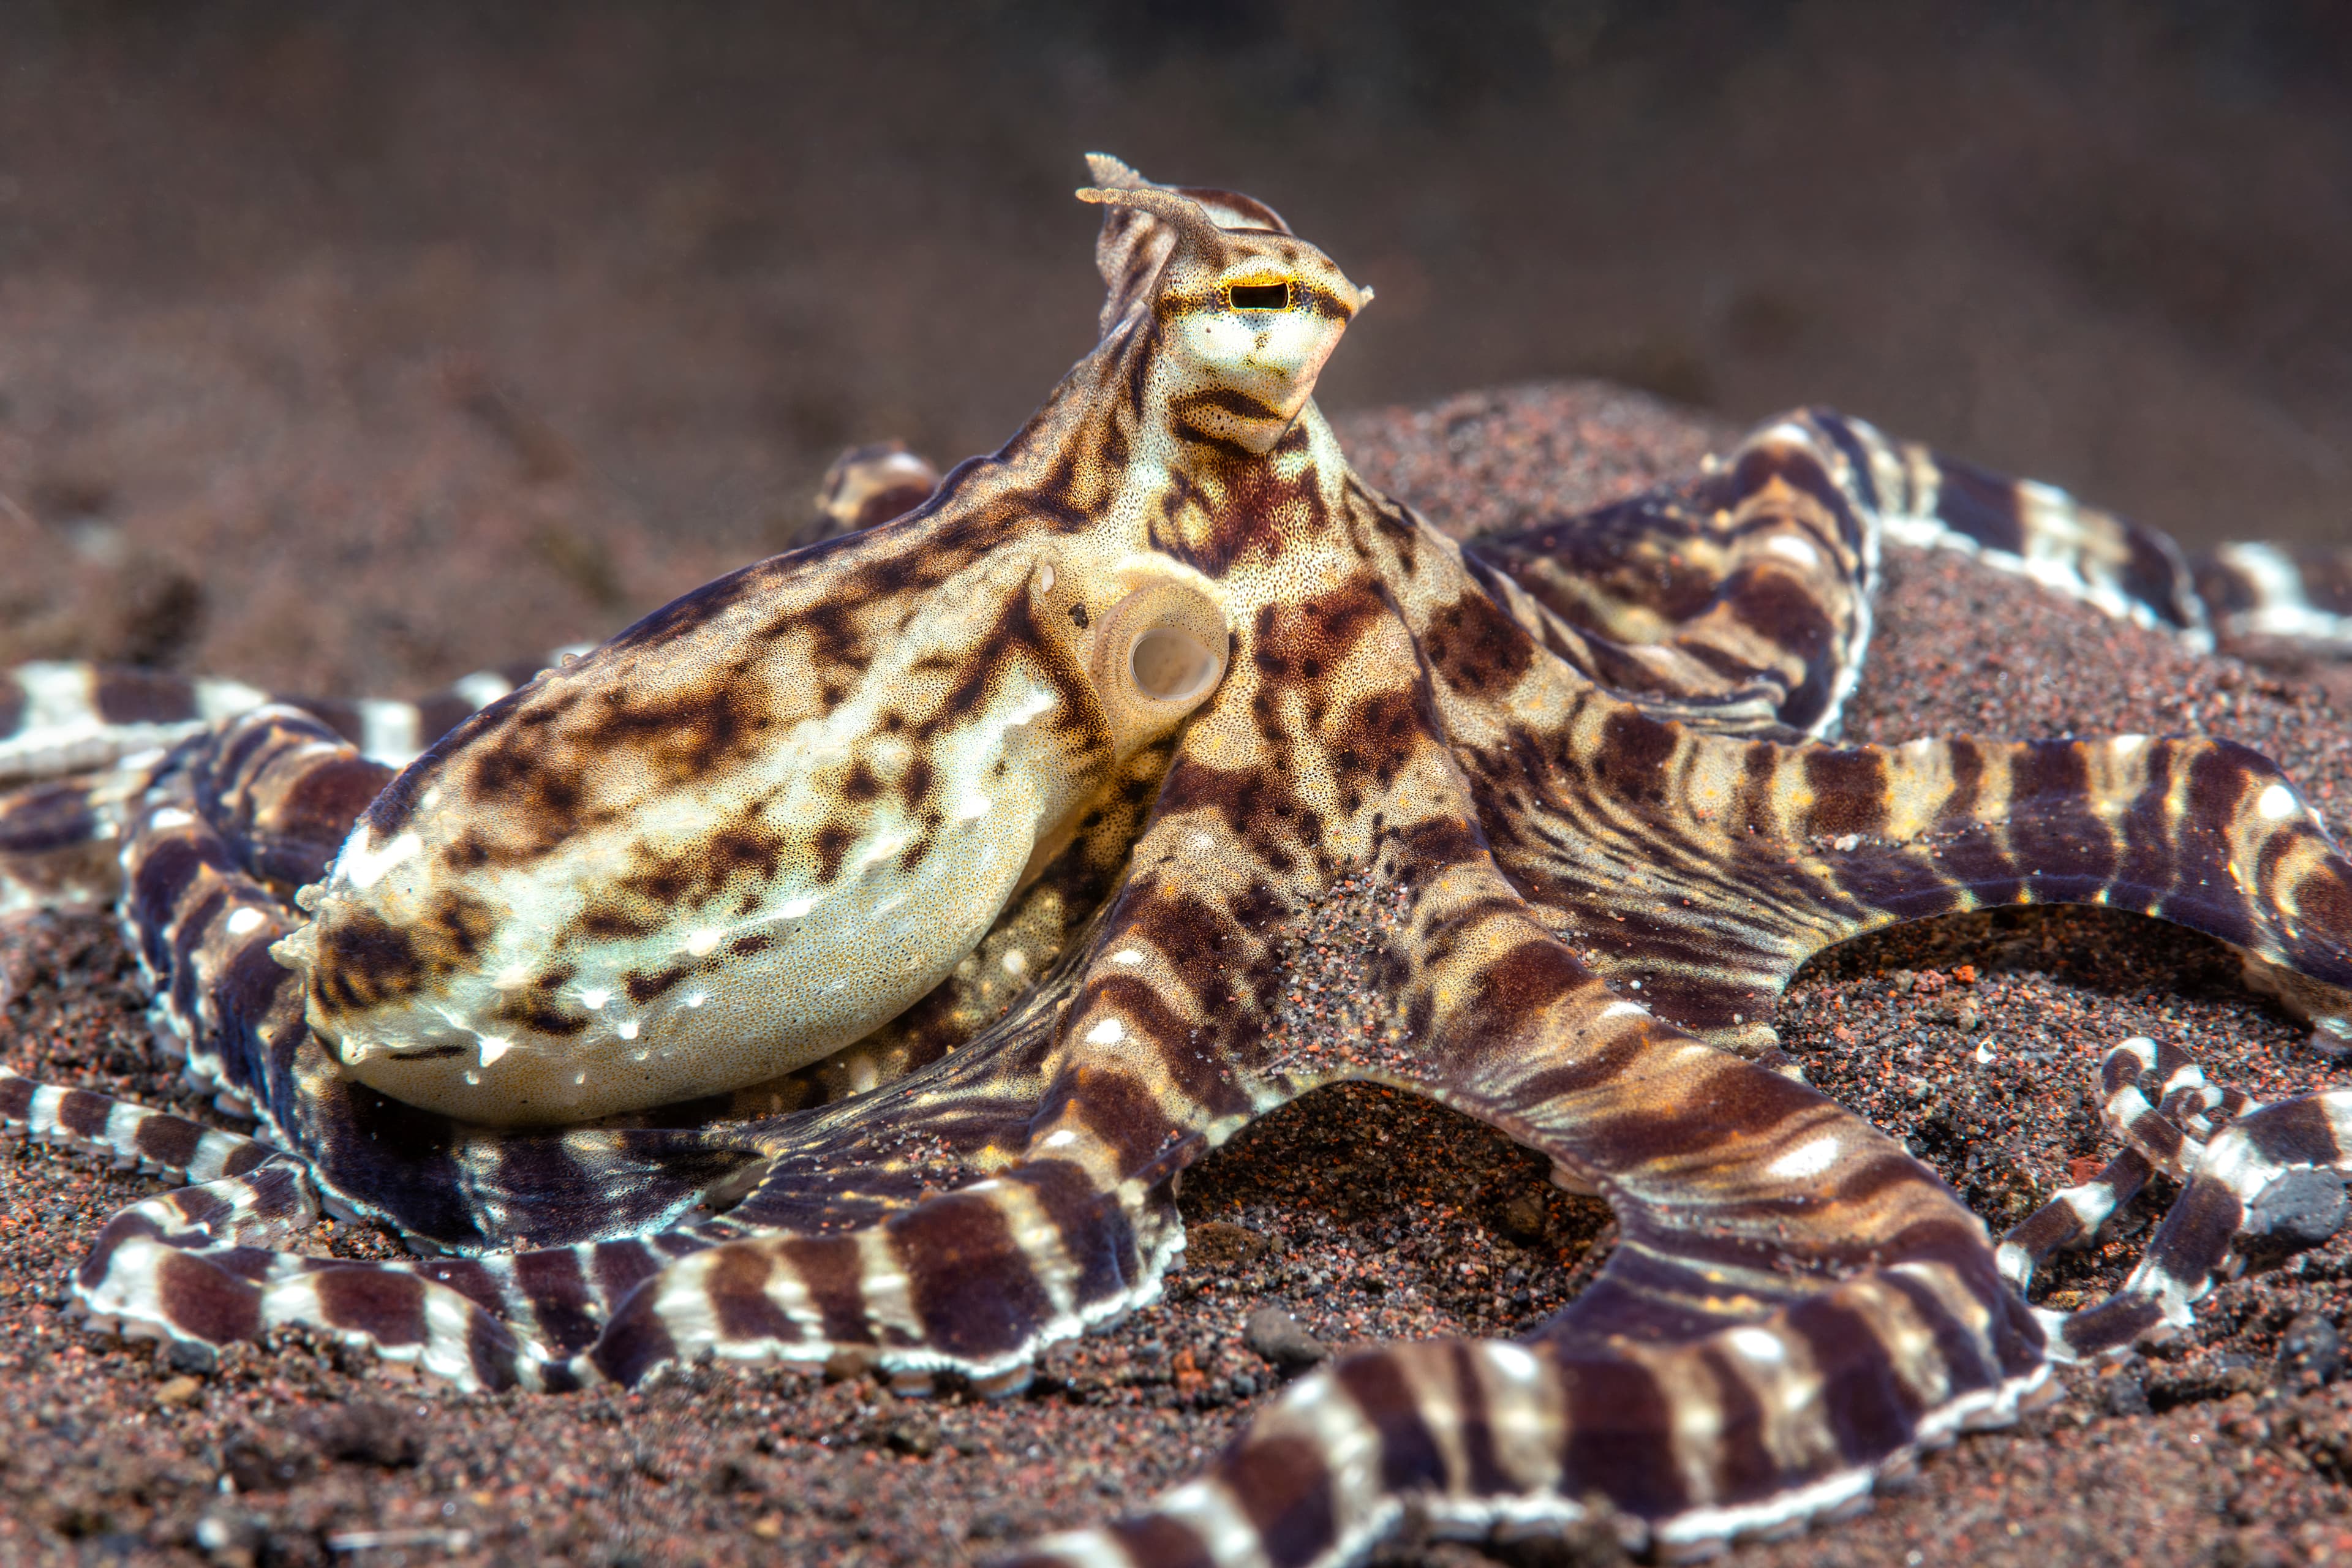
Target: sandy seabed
(1363,1214)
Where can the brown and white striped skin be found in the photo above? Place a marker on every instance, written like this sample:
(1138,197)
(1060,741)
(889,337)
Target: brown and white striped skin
(1597,795)
(2266,1177)
(2267,593)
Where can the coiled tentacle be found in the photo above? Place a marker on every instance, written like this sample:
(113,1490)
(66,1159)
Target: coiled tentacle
(2257,1176)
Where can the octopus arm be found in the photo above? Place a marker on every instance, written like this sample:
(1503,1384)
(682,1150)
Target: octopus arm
(1699,872)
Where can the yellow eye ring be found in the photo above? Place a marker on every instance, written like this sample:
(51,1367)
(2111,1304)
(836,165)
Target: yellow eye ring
(1271,294)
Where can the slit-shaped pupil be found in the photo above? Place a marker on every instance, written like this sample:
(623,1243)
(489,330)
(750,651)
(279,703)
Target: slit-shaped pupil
(1262,296)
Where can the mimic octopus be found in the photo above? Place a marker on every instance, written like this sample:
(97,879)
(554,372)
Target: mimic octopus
(840,964)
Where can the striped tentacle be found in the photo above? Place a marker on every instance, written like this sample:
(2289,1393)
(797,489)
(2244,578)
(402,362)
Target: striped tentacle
(1929,501)
(198,1266)
(1706,868)
(844,1254)
(2169,1133)
(1466,1436)
(1794,1304)
(2165,1136)
(970,1283)
(211,848)
(1739,602)
(60,841)
(1742,599)
(2272,1181)
(130,1136)
(151,1272)
(179,1267)
(2265,1176)
(906,1233)
(63,718)
(2073,1217)
(1748,1433)
(58,718)
(559,1299)
(1709,869)
(2276,593)
(1812,1303)
(247,1213)
(191,1287)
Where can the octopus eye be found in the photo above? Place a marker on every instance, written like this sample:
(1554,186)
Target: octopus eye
(1156,656)
(1260,296)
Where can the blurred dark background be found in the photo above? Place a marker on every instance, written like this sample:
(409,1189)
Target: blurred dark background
(267,260)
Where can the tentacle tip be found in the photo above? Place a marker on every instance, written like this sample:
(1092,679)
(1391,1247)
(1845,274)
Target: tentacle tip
(2331,1040)
(1075,1546)
(1004,1384)
(2015,1266)
(2041,1394)
(2057,1348)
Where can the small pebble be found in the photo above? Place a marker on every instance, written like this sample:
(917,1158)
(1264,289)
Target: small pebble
(1521,1217)
(365,1429)
(2309,1345)
(190,1355)
(179,1390)
(914,1435)
(2123,1394)
(225,1531)
(1277,1339)
(2300,1210)
(1215,1244)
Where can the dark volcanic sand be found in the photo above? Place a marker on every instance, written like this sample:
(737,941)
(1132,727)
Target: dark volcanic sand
(1364,1214)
